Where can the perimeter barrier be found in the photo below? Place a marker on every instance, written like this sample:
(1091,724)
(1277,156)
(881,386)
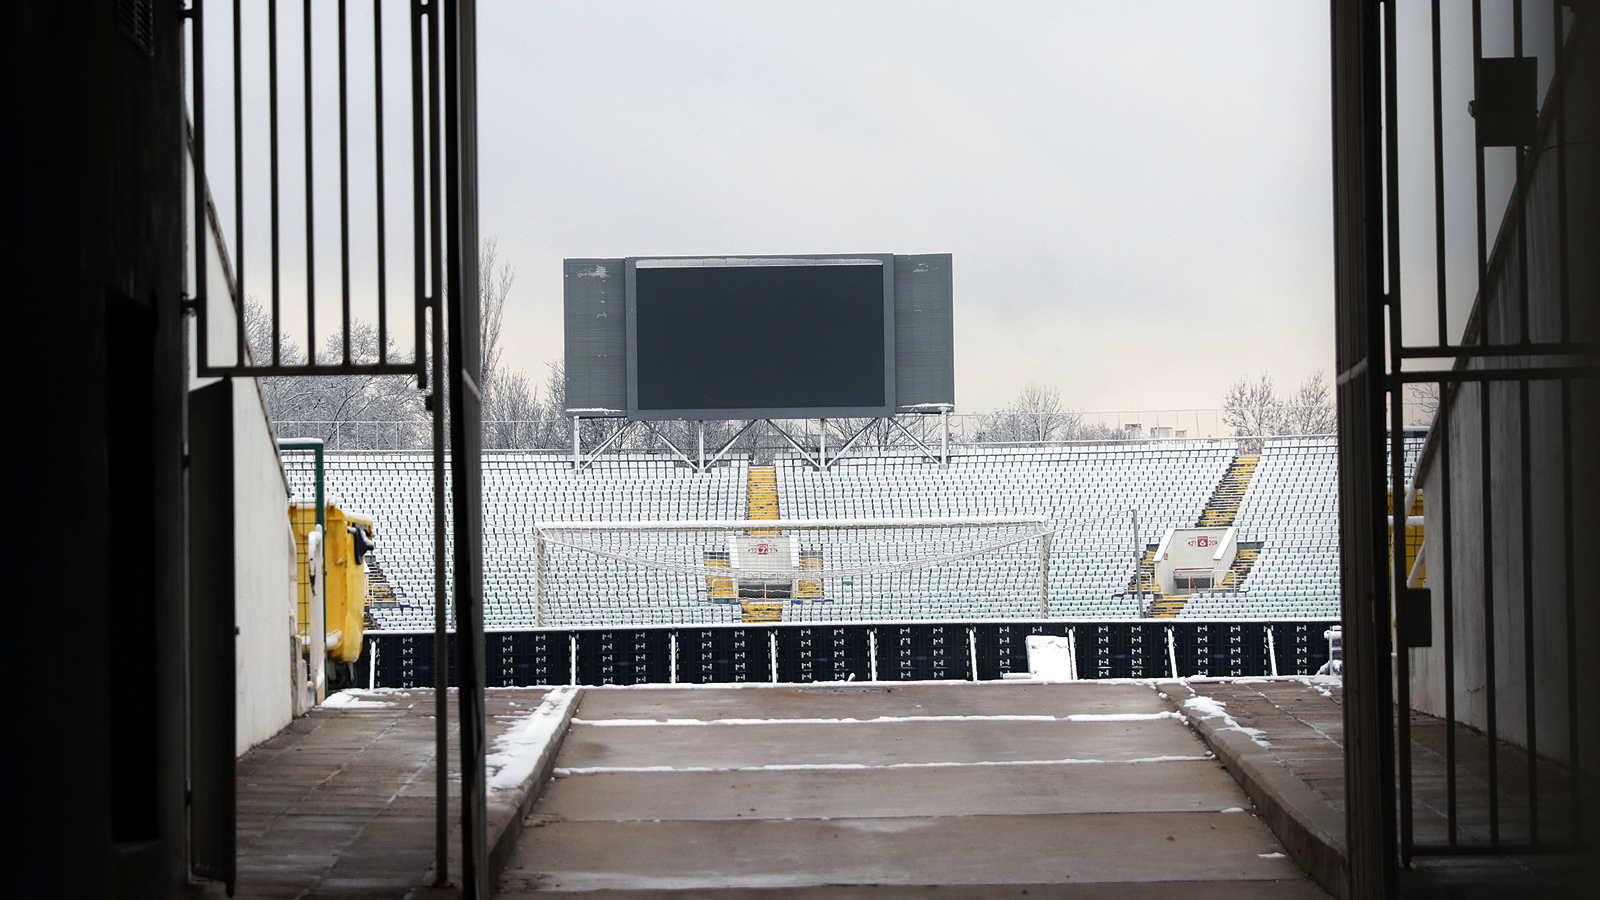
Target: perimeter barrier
(801,653)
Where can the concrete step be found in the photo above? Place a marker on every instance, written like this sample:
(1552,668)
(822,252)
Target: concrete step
(892,791)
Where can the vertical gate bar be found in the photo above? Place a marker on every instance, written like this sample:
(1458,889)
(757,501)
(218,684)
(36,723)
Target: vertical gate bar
(1356,51)
(441,636)
(461,224)
(197,160)
(383,265)
(419,194)
(1575,774)
(344,183)
(1492,731)
(272,177)
(1397,440)
(1398,573)
(1557,97)
(1447,602)
(1519,196)
(1439,189)
(436,290)
(1439,253)
(1480,211)
(1530,713)
(1441,423)
(435,231)
(435,361)
(311,214)
(238,186)
(1485,480)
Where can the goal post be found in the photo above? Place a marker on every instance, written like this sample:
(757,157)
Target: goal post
(749,570)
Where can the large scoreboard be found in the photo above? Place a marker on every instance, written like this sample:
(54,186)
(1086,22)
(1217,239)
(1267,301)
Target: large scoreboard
(738,337)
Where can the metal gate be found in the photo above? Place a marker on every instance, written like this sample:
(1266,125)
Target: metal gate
(301,116)
(1465,225)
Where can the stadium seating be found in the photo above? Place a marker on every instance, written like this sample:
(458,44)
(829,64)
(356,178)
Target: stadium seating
(519,489)
(1292,509)
(1087,492)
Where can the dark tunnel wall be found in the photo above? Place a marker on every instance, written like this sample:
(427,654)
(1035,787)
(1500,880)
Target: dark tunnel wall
(95,248)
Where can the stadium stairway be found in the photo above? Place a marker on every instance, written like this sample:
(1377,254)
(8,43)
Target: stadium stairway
(1162,607)
(761,502)
(1219,513)
(1224,503)
(379,591)
(1240,570)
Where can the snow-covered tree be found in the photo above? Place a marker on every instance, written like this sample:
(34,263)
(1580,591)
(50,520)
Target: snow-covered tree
(1037,414)
(339,408)
(1253,407)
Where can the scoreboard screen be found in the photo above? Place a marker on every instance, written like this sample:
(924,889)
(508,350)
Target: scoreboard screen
(754,337)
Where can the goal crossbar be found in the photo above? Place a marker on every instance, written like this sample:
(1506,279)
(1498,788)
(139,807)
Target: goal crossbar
(782,555)
(793,524)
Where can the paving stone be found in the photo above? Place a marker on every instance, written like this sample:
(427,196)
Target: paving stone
(340,803)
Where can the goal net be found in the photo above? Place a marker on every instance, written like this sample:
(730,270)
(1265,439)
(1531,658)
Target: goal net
(805,570)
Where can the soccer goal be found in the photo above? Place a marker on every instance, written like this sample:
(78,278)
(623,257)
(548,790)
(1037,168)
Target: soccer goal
(770,570)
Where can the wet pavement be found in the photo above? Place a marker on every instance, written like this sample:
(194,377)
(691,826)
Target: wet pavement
(972,790)
(341,802)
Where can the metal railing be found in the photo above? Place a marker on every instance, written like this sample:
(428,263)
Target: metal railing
(531,434)
(329,95)
(1475,301)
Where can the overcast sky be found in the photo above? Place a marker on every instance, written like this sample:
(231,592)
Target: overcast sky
(1136,195)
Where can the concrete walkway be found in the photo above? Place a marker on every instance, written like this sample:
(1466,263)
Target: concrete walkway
(340,804)
(1053,790)
(1283,739)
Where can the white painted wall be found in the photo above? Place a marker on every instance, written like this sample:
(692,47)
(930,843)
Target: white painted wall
(264,560)
(266,652)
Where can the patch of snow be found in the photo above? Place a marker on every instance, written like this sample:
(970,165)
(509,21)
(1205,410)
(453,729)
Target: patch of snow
(838,767)
(1206,707)
(1270,855)
(354,700)
(1202,707)
(880,720)
(1233,809)
(1121,717)
(1051,657)
(517,752)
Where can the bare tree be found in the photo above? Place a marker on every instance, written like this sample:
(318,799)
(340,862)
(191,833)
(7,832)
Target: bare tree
(1252,407)
(513,416)
(1311,408)
(1036,415)
(336,403)
(1424,397)
(516,415)
(1093,431)
(494,285)
(555,426)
